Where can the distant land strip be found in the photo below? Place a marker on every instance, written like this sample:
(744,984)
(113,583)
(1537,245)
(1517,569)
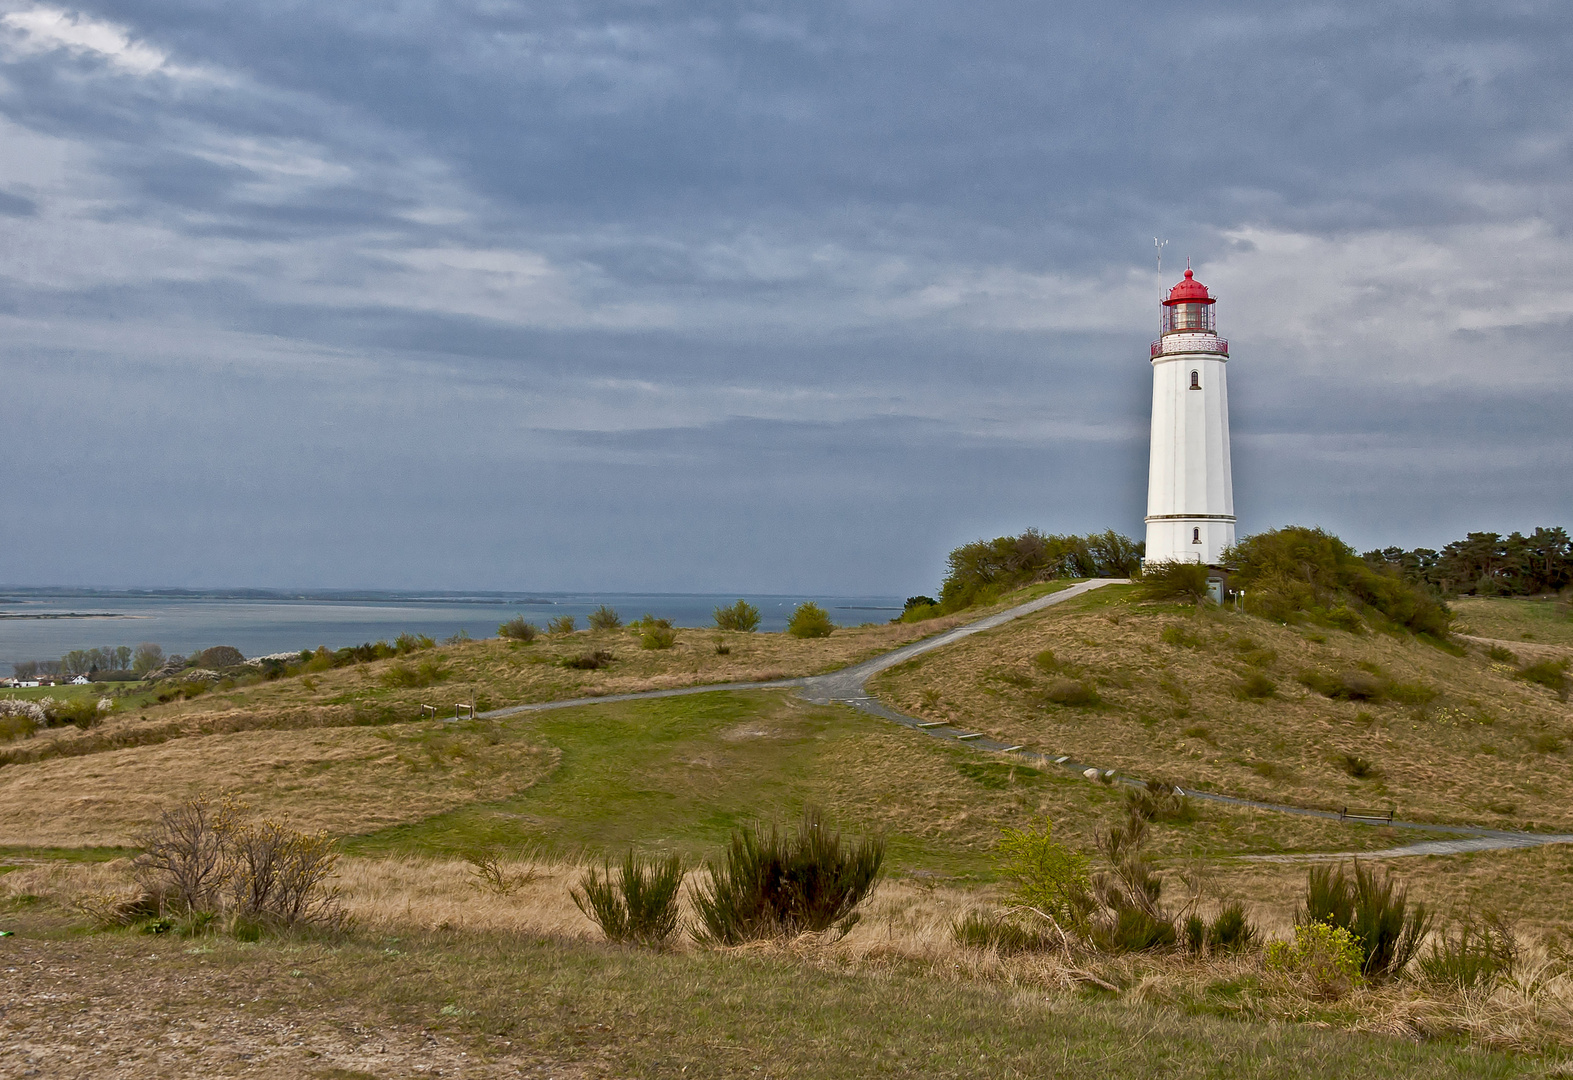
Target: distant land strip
(69,615)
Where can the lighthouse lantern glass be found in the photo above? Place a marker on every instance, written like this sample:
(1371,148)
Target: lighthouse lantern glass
(1193,318)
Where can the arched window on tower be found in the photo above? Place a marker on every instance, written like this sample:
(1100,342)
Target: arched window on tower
(1196,380)
(1196,536)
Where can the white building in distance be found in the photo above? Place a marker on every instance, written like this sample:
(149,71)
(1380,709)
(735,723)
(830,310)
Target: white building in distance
(1190,491)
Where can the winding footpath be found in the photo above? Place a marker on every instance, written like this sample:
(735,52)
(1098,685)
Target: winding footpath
(848,686)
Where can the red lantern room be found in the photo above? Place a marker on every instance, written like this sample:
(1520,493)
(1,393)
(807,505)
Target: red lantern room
(1189,308)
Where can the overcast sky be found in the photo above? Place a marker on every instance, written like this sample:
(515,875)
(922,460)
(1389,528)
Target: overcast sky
(767,297)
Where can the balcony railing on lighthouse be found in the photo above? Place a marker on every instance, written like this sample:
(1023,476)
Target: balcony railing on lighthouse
(1170,344)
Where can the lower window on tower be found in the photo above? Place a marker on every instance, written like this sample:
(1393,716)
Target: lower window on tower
(1196,536)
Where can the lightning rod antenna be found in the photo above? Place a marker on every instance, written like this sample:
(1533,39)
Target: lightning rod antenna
(1159,244)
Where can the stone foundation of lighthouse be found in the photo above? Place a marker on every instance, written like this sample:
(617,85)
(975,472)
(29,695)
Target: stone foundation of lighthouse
(1190,488)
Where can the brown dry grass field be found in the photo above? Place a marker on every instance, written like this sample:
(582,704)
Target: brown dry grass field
(1443,737)
(492,673)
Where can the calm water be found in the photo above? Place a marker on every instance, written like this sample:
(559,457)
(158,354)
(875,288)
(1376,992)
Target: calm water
(258,624)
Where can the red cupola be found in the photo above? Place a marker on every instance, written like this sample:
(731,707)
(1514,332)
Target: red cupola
(1189,308)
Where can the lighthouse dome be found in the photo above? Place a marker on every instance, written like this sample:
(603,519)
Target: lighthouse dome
(1189,291)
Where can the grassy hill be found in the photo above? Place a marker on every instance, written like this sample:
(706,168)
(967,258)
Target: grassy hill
(1228,702)
(487,983)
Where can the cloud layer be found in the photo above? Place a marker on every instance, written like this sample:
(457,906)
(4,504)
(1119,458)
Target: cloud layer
(797,296)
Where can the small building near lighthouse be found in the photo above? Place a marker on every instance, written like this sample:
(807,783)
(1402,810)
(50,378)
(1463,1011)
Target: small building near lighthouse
(1190,490)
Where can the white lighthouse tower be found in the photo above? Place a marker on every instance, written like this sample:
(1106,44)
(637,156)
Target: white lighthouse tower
(1190,492)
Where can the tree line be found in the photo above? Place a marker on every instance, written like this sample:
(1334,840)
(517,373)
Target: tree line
(144,658)
(1487,564)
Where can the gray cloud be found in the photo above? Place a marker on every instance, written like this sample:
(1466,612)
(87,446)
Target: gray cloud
(788,297)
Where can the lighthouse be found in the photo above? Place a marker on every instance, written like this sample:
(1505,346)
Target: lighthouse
(1190,493)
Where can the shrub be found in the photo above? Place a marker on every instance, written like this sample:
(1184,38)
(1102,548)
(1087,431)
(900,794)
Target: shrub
(458,637)
(1046,662)
(1501,655)
(1255,686)
(781,885)
(1003,935)
(1159,800)
(517,629)
(1359,768)
(981,571)
(1133,919)
(604,618)
(278,874)
(408,643)
(1327,957)
(657,637)
(1044,875)
(1348,686)
(1374,909)
(563,624)
(1231,930)
(19,719)
(640,905)
(83,712)
(1296,573)
(425,673)
(1473,955)
(1072,693)
(1184,581)
(1175,634)
(1552,674)
(202,860)
(590,661)
(742,617)
(810,621)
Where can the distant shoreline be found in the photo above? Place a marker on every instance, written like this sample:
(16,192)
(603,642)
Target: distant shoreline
(69,615)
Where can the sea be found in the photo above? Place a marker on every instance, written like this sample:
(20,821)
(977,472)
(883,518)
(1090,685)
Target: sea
(45,624)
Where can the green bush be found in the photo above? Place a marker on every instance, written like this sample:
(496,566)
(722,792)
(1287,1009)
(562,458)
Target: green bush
(1359,768)
(1296,573)
(516,629)
(741,617)
(980,572)
(1326,956)
(20,719)
(408,643)
(604,618)
(640,904)
(1475,954)
(657,637)
(999,933)
(1255,686)
(1177,634)
(83,712)
(1374,909)
(1072,693)
(1231,931)
(780,885)
(1183,581)
(1044,875)
(810,621)
(563,624)
(590,661)
(1501,655)
(1552,674)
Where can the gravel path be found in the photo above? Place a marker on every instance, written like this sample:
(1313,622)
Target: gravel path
(848,687)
